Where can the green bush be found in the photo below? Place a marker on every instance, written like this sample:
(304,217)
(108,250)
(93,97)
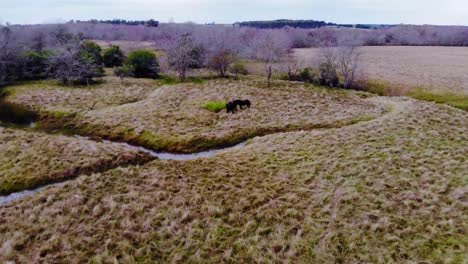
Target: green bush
(144,63)
(113,57)
(93,51)
(214,106)
(306,76)
(35,67)
(197,57)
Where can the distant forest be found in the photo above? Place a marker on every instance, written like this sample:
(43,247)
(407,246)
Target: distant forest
(148,23)
(280,23)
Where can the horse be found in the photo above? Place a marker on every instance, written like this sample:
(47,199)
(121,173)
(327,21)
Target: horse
(242,103)
(231,107)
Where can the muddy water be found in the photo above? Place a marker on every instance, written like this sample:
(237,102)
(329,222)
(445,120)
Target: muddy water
(13,115)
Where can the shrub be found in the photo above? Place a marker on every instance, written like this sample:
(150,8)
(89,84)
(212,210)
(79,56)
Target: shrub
(144,64)
(198,55)
(328,75)
(306,76)
(238,68)
(35,67)
(214,106)
(124,71)
(93,52)
(113,57)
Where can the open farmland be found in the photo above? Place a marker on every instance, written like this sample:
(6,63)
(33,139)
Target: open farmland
(439,70)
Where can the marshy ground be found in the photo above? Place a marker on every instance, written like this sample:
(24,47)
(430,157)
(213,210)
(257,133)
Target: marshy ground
(337,177)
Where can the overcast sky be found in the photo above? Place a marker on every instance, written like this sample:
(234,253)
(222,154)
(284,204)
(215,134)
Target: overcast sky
(446,12)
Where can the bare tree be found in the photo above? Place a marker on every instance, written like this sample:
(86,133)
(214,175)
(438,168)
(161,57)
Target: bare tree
(270,50)
(181,55)
(348,58)
(293,65)
(221,60)
(70,64)
(328,75)
(222,49)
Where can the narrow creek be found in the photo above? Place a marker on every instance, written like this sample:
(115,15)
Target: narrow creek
(14,116)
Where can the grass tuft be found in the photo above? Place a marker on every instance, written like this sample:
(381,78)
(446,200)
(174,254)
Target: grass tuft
(214,106)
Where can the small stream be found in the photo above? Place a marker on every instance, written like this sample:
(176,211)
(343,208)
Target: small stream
(160,155)
(15,116)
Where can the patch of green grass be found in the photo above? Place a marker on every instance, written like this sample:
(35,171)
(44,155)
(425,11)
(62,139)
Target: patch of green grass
(197,79)
(214,106)
(455,100)
(167,80)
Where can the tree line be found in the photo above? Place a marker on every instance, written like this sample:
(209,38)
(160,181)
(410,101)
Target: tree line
(281,23)
(148,23)
(72,59)
(425,35)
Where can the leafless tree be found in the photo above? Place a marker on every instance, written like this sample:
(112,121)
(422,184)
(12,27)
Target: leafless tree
(293,65)
(181,55)
(348,60)
(270,50)
(222,48)
(328,64)
(221,60)
(69,65)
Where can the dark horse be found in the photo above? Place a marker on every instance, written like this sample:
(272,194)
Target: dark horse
(231,107)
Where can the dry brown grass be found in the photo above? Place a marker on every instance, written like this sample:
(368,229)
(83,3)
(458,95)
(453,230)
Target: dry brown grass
(50,96)
(391,190)
(173,118)
(31,159)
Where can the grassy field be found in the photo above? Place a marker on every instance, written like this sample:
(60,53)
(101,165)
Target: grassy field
(429,73)
(50,96)
(173,117)
(32,159)
(388,190)
(328,176)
